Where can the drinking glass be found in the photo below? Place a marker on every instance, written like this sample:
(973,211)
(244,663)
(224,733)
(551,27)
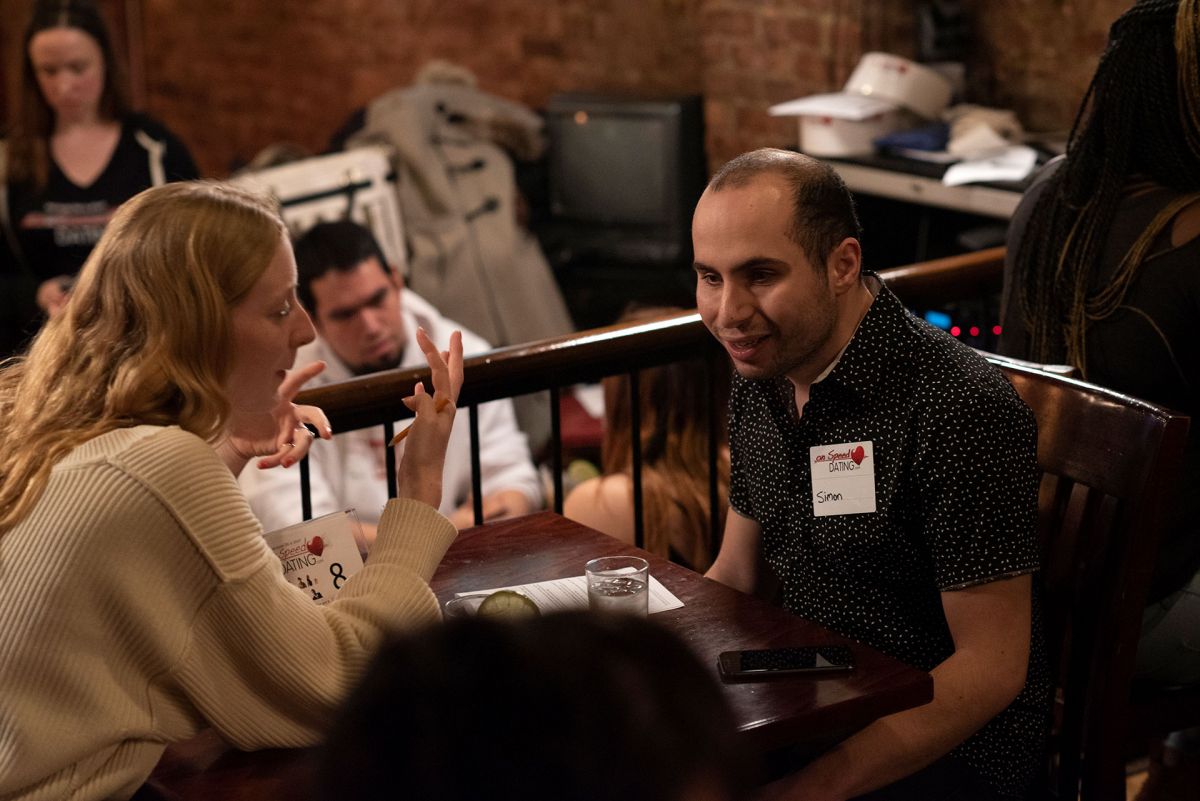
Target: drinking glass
(464,606)
(619,584)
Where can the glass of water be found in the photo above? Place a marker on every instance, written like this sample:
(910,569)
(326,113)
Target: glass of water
(619,584)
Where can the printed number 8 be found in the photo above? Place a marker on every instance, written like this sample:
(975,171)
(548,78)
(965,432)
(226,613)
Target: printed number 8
(339,577)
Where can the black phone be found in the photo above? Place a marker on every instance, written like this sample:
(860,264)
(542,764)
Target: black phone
(797,660)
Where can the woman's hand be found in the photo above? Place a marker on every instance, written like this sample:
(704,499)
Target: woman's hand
(53,294)
(279,437)
(419,475)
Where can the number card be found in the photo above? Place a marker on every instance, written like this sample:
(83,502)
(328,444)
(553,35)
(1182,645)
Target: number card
(318,555)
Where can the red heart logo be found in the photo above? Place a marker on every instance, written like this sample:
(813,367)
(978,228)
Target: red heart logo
(316,546)
(857,454)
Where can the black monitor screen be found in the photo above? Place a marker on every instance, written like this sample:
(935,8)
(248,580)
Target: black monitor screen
(621,161)
(612,168)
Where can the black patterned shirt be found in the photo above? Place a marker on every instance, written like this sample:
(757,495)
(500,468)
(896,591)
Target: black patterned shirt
(952,449)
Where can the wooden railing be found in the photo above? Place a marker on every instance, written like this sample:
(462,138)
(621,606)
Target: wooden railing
(587,356)
(934,283)
(546,365)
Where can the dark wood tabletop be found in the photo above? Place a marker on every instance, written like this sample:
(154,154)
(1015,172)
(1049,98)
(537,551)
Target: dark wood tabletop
(807,712)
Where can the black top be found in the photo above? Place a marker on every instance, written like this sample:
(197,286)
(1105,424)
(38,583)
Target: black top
(55,229)
(1148,348)
(953,452)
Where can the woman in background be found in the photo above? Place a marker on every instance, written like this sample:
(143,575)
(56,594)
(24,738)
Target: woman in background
(75,151)
(139,601)
(1103,272)
(675,448)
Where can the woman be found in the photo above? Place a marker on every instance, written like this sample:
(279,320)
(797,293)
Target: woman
(675,447)
(76,151)
(139,601)
(1102,274)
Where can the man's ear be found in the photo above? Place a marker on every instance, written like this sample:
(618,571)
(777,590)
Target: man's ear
(844,265)
(397,277)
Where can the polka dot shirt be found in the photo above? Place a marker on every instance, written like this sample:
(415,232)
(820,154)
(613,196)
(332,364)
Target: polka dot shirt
(955,488)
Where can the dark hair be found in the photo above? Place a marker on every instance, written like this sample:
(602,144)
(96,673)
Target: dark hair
(1140,116)
(567,706)
(341,246)
(33,119)
(822,205)
(674,408)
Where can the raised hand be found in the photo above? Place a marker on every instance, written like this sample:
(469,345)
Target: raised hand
(279,437)
(419,475)
(53,294)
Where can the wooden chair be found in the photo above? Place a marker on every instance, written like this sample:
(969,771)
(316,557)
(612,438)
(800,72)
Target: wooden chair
(1107,461)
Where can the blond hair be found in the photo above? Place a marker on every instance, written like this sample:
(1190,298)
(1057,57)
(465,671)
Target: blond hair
(146,336)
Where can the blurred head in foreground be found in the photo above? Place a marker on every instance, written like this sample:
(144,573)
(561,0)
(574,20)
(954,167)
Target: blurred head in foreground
(567,706)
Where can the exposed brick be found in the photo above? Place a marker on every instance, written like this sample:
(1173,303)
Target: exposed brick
(808,32)
(232,76)
(738,24)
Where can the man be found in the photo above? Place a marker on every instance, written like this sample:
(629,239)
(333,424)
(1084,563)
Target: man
(367,322)
(884,474)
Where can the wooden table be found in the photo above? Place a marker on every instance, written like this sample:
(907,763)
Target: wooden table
(811,713)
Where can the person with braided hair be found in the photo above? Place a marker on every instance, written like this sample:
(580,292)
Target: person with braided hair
(1101,273)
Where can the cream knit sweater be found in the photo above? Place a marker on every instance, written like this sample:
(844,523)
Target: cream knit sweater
(139,604)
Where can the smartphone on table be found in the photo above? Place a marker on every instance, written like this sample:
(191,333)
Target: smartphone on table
(792,661)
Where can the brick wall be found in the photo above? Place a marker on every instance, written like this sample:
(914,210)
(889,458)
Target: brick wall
(232,76)
(1037,56)
(756,54)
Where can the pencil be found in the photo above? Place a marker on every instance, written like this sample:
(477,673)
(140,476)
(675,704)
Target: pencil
(400,435)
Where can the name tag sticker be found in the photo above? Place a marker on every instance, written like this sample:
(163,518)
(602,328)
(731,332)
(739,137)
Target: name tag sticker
(843,478)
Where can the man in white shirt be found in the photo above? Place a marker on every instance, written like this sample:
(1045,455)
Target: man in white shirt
(366,321)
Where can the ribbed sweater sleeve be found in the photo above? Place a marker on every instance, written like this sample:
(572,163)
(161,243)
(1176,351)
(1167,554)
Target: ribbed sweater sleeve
(150,606)
(266,666)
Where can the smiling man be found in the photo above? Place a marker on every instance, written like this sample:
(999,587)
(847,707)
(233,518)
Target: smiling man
(884,484)
(367,321)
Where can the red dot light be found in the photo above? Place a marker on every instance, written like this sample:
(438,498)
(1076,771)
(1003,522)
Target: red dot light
(996,330)
(974,330)
(955,331)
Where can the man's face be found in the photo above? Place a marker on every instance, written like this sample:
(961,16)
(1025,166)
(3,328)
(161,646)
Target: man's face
(358,314)
(756,290)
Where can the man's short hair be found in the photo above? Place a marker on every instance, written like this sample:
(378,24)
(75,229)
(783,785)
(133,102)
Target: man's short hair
(341,246)
(823,209)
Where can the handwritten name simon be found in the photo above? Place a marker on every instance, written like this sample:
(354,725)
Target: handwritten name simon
(823,496)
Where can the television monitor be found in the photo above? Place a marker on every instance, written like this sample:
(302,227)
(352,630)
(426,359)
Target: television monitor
(626,172)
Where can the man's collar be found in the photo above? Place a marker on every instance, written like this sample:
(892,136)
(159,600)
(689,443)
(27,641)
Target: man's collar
(880,340)
(873,285)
